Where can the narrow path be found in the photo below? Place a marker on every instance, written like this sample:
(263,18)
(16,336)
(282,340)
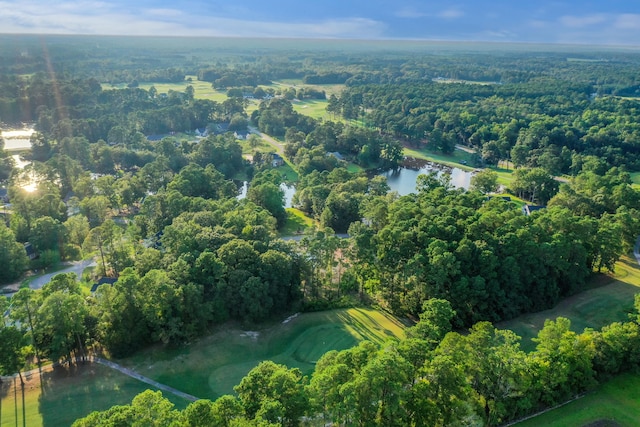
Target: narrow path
(142,378)
(117,367)
(636,250)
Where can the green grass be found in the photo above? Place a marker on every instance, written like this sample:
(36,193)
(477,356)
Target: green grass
(202,90)
(211,367)
(609,299)
(353,168)
(635,178)
(616,400)
(316,108)
(66,395)
(452,160)
(289,174)
(262,147)
(297,223)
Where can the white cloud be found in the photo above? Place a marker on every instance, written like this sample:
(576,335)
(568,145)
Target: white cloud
(410,12)
(451,13)
(627,21)
(573,21)
(91,17)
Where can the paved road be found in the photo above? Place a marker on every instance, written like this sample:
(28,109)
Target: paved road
(76,267)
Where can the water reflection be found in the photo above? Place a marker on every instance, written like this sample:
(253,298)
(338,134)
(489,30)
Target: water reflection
(403,179)
(17,139)
(289,191)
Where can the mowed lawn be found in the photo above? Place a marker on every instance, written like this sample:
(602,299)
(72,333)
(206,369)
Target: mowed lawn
(610,299)
(616,401)
(202,89)
(63,395)
(212,366)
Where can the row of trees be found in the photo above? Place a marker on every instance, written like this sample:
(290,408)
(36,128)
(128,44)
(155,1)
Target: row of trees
(432,377)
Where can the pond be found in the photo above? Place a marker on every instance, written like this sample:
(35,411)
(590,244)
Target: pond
(403,179)
(19,139)
(289,191)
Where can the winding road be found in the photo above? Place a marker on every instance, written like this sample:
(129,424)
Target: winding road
(76,267)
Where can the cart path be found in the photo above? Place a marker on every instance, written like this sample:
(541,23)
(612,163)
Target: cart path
(115,366)
(636,250)
(142,378)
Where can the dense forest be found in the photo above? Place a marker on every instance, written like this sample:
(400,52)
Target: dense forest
(161,216)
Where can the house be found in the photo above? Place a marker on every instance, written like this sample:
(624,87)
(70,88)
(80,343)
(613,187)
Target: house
(203,132)
(102,281)
(276,160)
(527,209)
(241,134)
(31,251)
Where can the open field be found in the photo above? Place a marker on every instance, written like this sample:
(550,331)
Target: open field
(315,108)
(297,223)
(202,90)
(64,395)
(617,401)
(610,299)
(211,367)
(635,177)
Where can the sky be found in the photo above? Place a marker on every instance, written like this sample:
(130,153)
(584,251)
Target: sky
(608,22)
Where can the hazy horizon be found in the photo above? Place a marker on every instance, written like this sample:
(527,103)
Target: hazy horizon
(614,23)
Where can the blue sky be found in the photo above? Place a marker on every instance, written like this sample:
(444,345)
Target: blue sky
(547,21)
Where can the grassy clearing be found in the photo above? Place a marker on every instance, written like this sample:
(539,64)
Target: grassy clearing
(202,90)
(63,395)
(316,108)
(452,160)
(617,400)
(610,299)
(211,367)
(635,178)
(297,223)
(289,174)
(353,168)
(248,150)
